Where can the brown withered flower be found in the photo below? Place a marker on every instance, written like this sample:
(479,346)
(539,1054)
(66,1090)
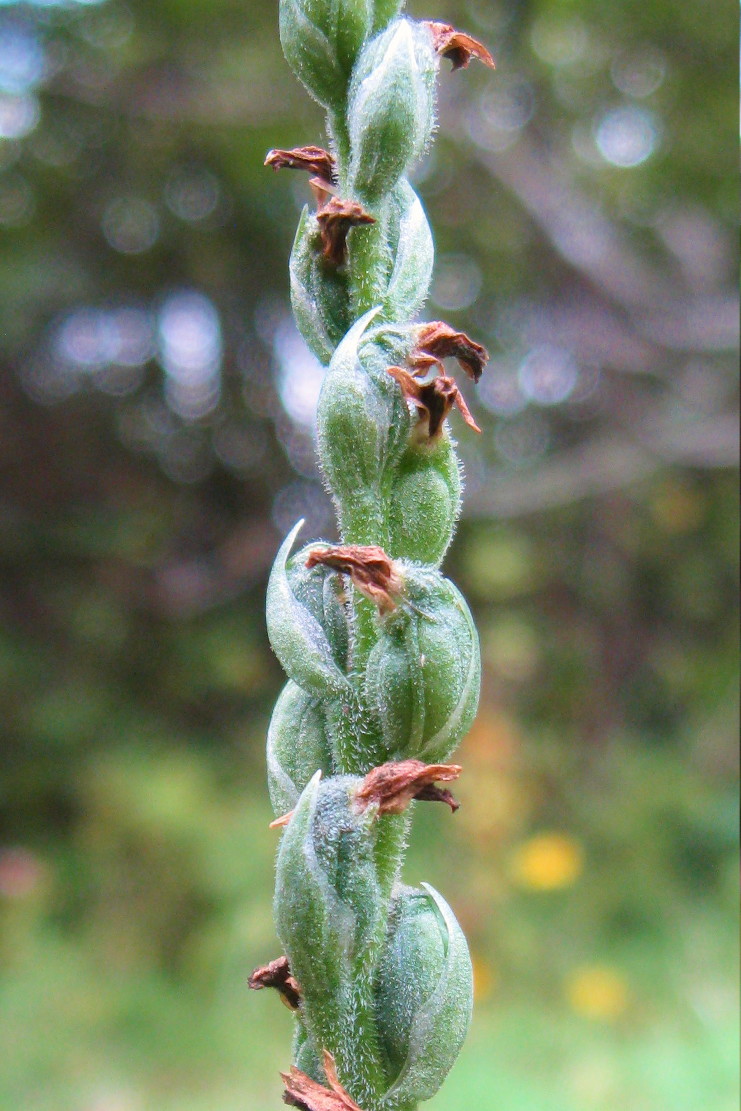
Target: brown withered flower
(458,47)
(277,975)
(436,341)
(316,161)
(393,786)
(304,1093)
(336,219)
(373,573)
(434,400)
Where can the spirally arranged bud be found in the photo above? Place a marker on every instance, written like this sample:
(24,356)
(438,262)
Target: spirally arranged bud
(321,40)
(380,649)
(424,994)
(392,107)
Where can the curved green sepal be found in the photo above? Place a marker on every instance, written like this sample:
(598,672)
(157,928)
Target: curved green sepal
(413,251)
(297,638)
(424,996)
(298,746)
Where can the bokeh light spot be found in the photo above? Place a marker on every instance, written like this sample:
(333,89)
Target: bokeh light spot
(547,862)
(300,374)
(458,282)
(192,195)
(627,136)
(548,374)
(639,74)
(598,993)
(190,350)
(19,115)
(559,43)
(21,57)
(130,225)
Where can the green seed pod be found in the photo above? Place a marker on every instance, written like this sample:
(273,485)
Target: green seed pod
(413,251)
(424,995)
(363,423)
(391,108)
(298,746)
(297,637)
(321,40)
(319,293)
(423,675)
(424,502)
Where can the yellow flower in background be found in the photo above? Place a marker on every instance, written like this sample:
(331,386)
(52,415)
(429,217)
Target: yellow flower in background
(484,979)
(598,992)
(547,862)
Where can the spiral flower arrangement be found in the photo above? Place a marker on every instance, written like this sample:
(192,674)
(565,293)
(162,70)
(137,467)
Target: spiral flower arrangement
(380,648)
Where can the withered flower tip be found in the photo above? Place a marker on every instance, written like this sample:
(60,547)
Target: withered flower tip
(336,218)
(434,400)
(437,341)
(315,160)
(304,1093)
(277,975)
(393,786)
(458,47)
(371,570)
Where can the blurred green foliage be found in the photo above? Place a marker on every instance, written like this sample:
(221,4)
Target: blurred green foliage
(154,413)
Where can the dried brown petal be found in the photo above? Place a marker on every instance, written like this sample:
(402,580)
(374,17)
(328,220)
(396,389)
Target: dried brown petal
(315,160)
(457,46)
(371,571)
(336,218)
(437,341)
(393,786)
(306,1094)
(281,822)
(277,975)
(434,400)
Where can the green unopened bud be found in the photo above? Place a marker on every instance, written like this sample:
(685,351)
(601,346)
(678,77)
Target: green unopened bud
(424,995)
(319,293)
(298,746)
(331,920)
(362,426)
(298,639)
(423,676)
(321,41)
(392,107)
(424,502)
(413,252)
